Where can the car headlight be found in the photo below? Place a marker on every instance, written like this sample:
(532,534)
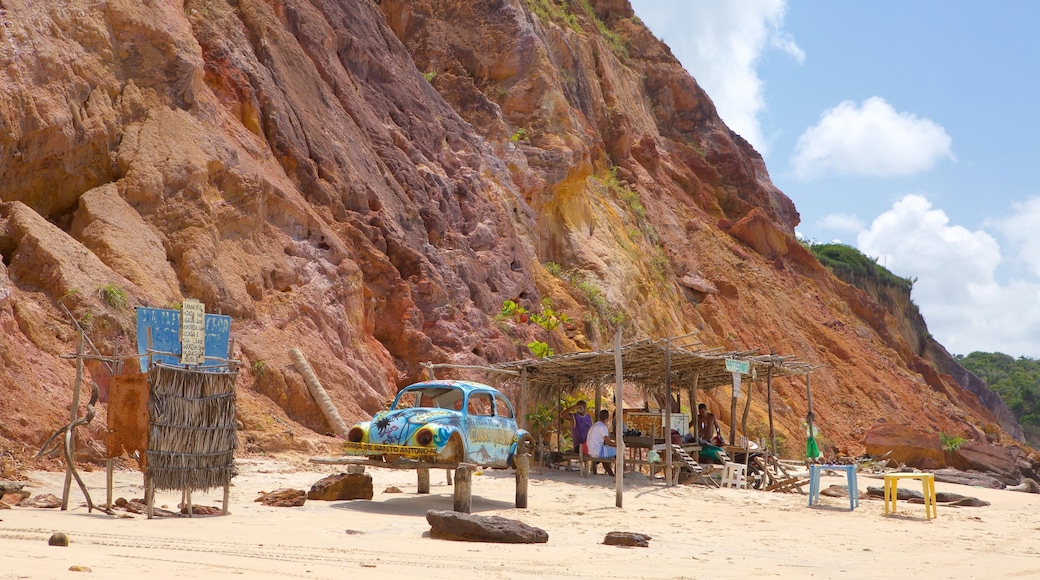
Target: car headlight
(424,437)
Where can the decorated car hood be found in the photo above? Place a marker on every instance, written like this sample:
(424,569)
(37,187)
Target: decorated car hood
(400,426)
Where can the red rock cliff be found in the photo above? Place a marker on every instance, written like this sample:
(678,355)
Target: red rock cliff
(369,181)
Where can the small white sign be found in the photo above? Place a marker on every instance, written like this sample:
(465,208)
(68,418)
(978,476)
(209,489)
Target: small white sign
(738,366)
(193,332)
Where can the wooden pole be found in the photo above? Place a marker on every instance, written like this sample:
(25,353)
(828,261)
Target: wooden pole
(149,482)
(619,373)
(559,422)
(424,479)
(668,413)
(598,404)
(809,417)
(693,407)
(463,488)
(108,482)
(149,495)
(808,393)
(523,395)
(523,470)
(733,412)
(769,399)
(75,411)
(747,408)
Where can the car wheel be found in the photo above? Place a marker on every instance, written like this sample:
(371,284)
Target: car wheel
(454,451)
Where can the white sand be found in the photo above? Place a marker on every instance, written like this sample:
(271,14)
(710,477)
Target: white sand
(698,532)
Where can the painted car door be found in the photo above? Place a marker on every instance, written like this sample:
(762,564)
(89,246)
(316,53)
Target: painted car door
(489,438)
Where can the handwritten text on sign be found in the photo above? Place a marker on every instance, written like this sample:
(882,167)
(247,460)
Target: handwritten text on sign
(193,333)
(165,326)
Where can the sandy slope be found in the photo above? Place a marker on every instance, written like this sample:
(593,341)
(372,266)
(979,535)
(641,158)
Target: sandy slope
(698,532)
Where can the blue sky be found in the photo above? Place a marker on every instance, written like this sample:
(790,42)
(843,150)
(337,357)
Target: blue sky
(906,129)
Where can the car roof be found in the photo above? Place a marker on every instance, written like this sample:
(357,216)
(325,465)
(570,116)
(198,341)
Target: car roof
(466,386)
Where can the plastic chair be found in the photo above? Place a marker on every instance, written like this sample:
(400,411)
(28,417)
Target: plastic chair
(734,475)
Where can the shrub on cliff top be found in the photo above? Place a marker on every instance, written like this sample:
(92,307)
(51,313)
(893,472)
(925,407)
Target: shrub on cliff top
(846,261)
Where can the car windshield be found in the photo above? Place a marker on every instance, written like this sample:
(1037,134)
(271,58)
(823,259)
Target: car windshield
(435,397)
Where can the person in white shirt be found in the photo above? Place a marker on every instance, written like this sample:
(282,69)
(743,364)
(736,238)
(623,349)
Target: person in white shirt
(599,442)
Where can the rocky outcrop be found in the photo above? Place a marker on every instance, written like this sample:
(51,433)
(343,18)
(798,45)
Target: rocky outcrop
(370,181)
(905,445)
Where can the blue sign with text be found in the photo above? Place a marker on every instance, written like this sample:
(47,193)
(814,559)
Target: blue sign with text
(166,331)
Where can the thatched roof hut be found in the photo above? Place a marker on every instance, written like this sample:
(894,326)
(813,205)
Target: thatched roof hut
(645,364)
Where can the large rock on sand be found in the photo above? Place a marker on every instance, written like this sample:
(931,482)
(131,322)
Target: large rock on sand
(342,486)
(449,525)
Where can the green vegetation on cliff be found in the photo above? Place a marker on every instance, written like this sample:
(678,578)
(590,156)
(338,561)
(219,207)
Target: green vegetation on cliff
(847,262)
(1017,381)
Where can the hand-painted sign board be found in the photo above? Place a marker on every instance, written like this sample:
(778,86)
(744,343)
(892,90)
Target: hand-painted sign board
(166,336)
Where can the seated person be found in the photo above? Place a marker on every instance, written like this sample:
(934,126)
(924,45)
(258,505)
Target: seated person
(599,442)
(708,427)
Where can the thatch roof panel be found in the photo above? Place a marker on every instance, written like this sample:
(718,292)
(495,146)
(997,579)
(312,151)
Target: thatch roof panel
(644,364)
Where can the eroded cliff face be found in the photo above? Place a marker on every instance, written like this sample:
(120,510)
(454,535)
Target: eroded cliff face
(369,181)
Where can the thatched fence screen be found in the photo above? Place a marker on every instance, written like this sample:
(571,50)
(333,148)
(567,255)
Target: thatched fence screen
(191,429)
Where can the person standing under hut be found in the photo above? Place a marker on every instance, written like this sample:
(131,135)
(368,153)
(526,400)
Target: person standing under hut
(581,422)
(600,444)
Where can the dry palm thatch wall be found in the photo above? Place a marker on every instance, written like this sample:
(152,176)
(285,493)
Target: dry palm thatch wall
(191,430)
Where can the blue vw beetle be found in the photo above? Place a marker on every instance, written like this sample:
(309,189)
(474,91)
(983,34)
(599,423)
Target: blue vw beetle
(443,422)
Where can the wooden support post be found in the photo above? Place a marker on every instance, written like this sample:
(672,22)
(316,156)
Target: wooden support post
(733,416)
(149,495)
(747,409)
(523,470)
(187,503)
(619,402)
(227,495)
(693,408)
(464,488)
(522,413)
(424,479)
(108,482)
(769,403)
(667,414)
(75,411)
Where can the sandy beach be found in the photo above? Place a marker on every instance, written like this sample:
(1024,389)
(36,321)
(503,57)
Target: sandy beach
(698,532)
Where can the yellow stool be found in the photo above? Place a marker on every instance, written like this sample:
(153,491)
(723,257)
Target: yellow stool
(734,475)
(928,490)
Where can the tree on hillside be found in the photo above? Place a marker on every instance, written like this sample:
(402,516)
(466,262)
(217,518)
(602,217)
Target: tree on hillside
(1017,381)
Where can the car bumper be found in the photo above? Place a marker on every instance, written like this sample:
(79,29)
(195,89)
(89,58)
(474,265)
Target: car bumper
(385,449)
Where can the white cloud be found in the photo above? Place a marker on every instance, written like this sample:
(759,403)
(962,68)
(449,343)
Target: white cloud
(720,44)
(871,140)
(965,308)
(1022,230)
(840,222)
